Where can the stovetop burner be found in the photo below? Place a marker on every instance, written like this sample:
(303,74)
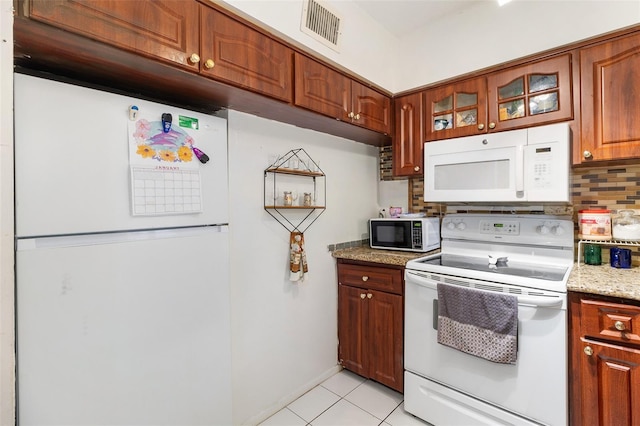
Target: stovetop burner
(504,267)
(535,251)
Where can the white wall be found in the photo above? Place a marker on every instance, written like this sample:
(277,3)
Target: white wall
(6,216)
(487,35)
(284,335)
(484,35)
(366,48)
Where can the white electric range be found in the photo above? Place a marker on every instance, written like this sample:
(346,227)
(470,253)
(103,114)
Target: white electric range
(527,256)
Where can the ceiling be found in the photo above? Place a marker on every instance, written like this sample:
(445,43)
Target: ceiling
(401,17)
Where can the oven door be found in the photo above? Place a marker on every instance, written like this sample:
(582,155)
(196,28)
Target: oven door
(445,381)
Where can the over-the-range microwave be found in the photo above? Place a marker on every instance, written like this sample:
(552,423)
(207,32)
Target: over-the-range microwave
(526,165)
(409,234)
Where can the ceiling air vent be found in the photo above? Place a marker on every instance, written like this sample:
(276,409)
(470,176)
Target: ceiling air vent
(321,23)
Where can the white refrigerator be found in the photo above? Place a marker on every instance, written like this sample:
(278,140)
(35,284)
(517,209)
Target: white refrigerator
(122,290)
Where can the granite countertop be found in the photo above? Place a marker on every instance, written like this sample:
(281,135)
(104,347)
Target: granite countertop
(605,280)
(602,279)
(387,257)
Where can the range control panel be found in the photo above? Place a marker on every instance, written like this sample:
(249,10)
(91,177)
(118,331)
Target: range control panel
(501,227)
(516,229)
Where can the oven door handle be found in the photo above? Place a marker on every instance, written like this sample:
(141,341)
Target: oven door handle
(535,301)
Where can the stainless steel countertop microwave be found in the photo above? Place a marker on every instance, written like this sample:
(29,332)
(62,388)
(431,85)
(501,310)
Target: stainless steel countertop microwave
(419,234)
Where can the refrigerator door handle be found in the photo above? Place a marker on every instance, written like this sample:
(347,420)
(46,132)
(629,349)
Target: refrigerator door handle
(57,241)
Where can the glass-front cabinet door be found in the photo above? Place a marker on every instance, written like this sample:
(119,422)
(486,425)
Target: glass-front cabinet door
(530,94)
(456,110)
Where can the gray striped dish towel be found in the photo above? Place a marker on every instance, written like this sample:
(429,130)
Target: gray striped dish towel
(480,323)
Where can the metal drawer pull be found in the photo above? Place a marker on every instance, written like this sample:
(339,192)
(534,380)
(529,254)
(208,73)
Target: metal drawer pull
(365,278)
(362,295)
(588,350)
(619,325)
(369,296)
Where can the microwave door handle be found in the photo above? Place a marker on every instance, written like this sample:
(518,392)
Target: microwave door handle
(519,170)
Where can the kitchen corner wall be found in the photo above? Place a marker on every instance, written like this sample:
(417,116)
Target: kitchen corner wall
(284,335)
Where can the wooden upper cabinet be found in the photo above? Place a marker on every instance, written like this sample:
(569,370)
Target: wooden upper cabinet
(458,109)
(610,101)
(321,89)
(528,95)
(326,91)
(408,138)
(235,53)
(161,29)
(371,109)
(532,94)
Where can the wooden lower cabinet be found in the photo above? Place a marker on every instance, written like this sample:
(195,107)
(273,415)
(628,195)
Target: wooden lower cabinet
(604,361)
(371,323)
(186,33)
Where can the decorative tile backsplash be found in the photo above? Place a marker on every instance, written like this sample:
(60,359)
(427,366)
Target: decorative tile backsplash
(603,187)
(613,188)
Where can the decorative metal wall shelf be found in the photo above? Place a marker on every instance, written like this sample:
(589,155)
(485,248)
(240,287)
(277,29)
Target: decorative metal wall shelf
(295,215)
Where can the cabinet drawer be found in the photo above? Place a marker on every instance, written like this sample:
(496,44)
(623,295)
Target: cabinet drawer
(610,321)
(371,277)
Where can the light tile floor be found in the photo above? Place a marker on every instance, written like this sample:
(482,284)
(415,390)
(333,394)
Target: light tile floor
(346,399)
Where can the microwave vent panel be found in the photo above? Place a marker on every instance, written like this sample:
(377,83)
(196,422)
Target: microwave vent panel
(321,23)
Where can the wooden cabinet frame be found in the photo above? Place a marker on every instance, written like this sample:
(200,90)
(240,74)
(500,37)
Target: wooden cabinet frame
(326,91)
(371,321)
(604,360)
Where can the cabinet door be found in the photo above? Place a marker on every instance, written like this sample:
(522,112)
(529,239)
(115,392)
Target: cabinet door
(371,109)
(352,314)
(408,137)
(322,89)
(385,328)
(237,54)
(164,29)
(533,94)
(610,391)
(610,101)
(456,110)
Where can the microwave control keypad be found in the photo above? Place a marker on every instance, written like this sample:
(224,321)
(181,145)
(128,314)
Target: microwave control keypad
(417,238)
